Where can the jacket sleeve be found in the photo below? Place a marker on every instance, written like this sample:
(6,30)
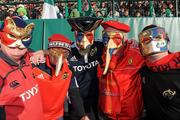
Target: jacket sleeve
(75,99)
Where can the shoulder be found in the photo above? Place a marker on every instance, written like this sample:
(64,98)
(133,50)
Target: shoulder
(133,44)
(43,67)
(98,44)
(132,49)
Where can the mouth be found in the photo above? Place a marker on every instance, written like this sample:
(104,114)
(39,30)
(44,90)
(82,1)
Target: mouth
(17,56)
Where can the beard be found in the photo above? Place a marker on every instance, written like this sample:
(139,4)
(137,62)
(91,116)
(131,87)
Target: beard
(84,51)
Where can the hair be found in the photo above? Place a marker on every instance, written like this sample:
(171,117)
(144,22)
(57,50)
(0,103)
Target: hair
(149,26)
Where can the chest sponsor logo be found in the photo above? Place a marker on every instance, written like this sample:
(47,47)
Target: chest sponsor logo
(86,67)
(29,93)
(14,84)
(40,76)
(93,51)
(130,61)
(169,94)
(65,75)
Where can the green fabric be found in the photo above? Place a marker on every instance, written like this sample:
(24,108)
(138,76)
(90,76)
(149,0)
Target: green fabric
(168,13)
(152,12)
(90,11)
(49,2)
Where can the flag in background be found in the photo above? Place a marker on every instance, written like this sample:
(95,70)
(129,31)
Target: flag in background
(49,10)
(152,12)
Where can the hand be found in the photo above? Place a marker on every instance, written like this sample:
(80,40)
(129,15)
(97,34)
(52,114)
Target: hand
(38,57)
(85,118)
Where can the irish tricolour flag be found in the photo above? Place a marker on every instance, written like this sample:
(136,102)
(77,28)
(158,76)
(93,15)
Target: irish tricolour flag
(49,11)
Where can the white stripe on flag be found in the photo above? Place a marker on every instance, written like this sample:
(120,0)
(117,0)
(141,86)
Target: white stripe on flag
(49,11)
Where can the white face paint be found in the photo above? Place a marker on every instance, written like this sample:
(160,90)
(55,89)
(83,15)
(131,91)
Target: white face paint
(153,40)
(154,47)
(18,44)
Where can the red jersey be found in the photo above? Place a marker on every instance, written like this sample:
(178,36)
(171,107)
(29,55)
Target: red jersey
(120,92)
(19,96)
(53,90)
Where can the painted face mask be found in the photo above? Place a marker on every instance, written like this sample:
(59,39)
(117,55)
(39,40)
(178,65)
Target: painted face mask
(16,33)
(112,41)
(84,39)
(59,48)
(84,30)
(153,41)
(58,55)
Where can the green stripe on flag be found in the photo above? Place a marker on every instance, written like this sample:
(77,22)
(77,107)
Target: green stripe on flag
(49,2)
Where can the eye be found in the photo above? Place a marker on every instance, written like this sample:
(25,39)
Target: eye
(158,37)
(80,34)
(26,38)
(12,36)
(146,40)
(12,47)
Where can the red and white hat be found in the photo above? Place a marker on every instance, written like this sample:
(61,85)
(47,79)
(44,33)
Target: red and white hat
(59,40)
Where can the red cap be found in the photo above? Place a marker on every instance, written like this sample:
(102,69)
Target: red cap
(116,25)
(59,40)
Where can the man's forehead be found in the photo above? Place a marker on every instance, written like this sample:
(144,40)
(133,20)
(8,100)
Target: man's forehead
(85,32)
(58,49)
(110,29)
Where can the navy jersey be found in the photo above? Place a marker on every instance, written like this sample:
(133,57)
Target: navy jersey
(85,69)
(161,88)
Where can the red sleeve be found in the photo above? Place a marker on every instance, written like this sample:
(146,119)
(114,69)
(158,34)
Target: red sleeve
(1,83)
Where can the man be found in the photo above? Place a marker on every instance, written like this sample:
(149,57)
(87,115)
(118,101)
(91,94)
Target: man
(19,92)
(120,96)
(161,83)
(86,55)
(54,77)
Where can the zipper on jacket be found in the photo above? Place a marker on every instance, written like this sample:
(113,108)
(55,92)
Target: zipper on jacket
(20,68)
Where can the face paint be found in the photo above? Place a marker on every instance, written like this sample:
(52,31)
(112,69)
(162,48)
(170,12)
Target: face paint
(116,37)
(57,56)
(112,41)
(14,36)
(154,47)
(83,40)
(153,41)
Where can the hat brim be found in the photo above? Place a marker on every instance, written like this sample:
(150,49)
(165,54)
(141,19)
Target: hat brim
(85,24)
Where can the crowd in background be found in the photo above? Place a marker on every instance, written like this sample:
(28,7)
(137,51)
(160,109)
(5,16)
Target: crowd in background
(121,8)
